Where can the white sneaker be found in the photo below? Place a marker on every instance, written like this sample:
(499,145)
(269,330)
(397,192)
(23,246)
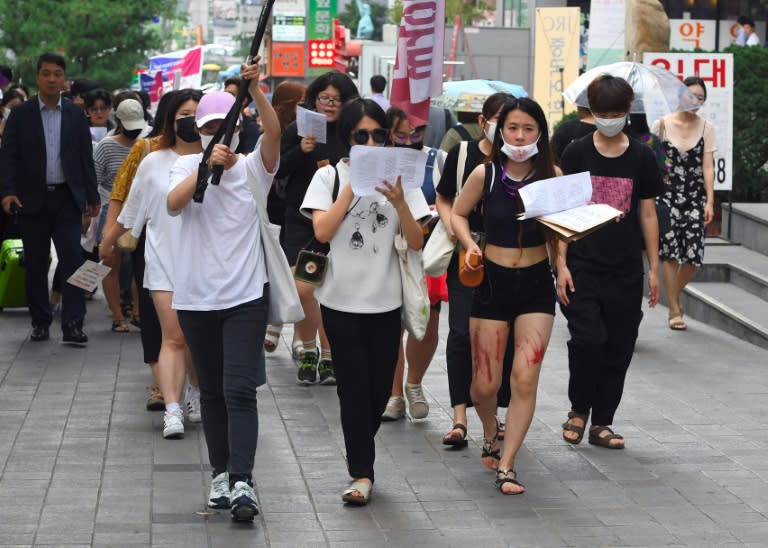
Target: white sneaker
(243,501)
(219,495)
(193,404)
(395,409)
(417,403)
(173,424)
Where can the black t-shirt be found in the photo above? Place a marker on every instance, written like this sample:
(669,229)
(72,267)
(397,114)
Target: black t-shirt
(447,185)
(567,132)
(620,182)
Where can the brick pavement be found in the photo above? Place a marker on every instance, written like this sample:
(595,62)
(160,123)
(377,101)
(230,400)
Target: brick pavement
(82,462)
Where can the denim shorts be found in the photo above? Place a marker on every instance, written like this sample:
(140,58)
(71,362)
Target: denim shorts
(507,293)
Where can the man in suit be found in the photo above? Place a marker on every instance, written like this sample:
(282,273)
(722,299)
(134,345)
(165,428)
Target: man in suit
(47,175)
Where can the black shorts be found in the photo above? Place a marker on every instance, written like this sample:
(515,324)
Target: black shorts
(298,232)
(507,293)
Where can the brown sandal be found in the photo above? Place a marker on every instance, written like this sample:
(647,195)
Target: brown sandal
(454,441)
(570,427)
(120,326)
(491,456)
(604,441)
(503,476)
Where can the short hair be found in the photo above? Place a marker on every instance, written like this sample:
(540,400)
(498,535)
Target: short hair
(378,83)
(232,81)
(19,86)
(608,93)
(53,58)
(99,94)
(354,111)
(9,96)
(746,20)
(81,86)
(286,96)
(543,162)
(173,105)
(342,82)
(696,81)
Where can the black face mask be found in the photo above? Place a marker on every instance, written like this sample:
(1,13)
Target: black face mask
(414,146)
(132,134)
(186,130)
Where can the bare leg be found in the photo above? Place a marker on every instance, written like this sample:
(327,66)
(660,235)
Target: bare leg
(172,361)
(420,353)
(306,329)
(111,288)
(670,270)
(532,332)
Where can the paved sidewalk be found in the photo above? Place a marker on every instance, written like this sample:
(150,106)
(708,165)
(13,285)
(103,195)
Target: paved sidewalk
(82,462)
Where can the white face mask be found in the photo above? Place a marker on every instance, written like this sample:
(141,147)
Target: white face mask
(490,132)
(519,153)
(610,127)
(205,140)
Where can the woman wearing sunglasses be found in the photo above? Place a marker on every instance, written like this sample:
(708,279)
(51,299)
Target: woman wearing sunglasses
(361,296)
(301,157)
(517,296)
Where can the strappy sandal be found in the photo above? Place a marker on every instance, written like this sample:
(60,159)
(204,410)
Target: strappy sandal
(676,321)
(501,430)
(272,338)
(490,453)
(604,441)
(570,427)
(502,477)
(120,326)
(454,441)
(363,490)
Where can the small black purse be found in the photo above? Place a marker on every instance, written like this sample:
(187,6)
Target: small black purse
(312,260)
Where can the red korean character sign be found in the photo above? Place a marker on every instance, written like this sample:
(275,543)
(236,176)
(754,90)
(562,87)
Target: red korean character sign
(691,34)
(716,69)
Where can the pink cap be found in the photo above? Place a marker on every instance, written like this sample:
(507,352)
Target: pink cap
(213,106)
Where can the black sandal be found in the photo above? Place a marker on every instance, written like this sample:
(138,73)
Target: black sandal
(501,430)
(502,477)
(490,453)
(456,442)
(570,427)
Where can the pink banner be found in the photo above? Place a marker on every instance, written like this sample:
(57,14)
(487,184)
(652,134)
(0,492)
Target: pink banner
(418,73)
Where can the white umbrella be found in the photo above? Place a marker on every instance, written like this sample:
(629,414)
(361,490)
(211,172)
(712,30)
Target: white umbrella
(657,91)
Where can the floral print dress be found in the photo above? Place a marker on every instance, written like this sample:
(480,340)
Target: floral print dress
(685,197)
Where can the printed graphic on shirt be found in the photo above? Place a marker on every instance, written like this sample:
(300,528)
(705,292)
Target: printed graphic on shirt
(377,220)
(614,191)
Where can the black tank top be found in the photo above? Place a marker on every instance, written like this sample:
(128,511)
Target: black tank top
(500,208)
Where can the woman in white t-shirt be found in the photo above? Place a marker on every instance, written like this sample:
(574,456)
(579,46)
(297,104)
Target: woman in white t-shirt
(221,292)
(361,296)
(146,206)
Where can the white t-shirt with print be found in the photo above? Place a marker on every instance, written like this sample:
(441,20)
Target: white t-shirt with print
(146,205)
(220,262)
(363,273)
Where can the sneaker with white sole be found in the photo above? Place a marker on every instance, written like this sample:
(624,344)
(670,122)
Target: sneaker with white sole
(193,404)
(173,424)
(243,500)
(219,495)
(395,409)
(326,372)
(417,403)
(307,373)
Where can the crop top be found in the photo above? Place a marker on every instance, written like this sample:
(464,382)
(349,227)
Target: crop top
(501,206)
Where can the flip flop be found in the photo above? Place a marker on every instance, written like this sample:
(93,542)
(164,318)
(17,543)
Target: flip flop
(456,442)
(363,490)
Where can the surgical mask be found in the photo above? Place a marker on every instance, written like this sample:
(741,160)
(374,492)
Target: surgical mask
(186,129)
(132,134)
(610,127)
(519,154)
(490,132)
(206,140)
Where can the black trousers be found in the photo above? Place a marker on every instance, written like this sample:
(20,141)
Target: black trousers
(58,219)
(458,348)
(151,335)
(603,319)
(365,348)
(227,354)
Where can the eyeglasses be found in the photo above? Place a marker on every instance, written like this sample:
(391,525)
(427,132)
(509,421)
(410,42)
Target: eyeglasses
(401,138)
(98,109)
(326,100)
(361,136)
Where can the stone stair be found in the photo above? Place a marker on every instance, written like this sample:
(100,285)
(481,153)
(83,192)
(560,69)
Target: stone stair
(731,290)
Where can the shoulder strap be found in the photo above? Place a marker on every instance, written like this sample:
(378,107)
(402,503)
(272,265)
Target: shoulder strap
(447,114)
(431,155)
(335,193)
(490,177)
(462,161)
(463,132)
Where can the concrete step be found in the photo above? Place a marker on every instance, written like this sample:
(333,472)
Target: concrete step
(728,307)
(747,224)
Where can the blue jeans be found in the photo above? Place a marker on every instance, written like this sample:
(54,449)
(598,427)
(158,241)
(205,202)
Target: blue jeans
(227,353)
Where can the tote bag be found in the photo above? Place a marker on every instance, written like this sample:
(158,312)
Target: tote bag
(415,310)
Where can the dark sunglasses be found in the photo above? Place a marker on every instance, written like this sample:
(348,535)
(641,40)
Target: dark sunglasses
(361,136)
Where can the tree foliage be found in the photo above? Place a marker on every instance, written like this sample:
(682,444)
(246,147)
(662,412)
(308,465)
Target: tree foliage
(351,16)
(101,39)
(750,110)
(468,10)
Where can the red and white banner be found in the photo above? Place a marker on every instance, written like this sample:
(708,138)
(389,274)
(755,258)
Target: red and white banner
(418,73)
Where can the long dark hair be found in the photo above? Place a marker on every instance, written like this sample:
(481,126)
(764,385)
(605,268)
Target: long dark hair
(354,111)
(543,162)
(342,82)
(179,98)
